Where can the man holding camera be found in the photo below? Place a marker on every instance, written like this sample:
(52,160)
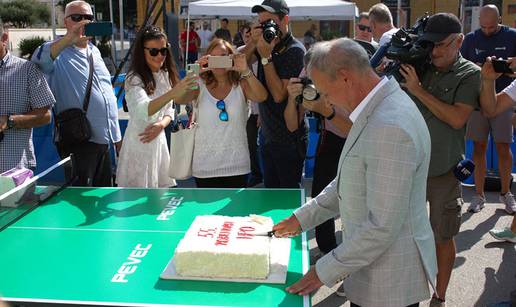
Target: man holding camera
(492,39)
(446,94)
(25,102)
(73,65)
(280,57)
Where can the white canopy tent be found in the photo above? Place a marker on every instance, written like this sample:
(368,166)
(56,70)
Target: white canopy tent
(299,10)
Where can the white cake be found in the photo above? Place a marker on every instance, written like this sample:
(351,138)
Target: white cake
(225,247)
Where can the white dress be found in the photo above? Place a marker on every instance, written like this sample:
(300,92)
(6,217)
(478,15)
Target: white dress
(220,148)
(140,164)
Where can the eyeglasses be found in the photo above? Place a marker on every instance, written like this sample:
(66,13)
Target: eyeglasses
(155,51)
(223,115)
(364,28)
(80,17)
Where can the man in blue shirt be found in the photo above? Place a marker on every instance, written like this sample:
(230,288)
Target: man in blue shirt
(65,61)
(492,39)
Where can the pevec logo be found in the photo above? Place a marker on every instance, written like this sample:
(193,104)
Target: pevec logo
(130,266)
(170,209)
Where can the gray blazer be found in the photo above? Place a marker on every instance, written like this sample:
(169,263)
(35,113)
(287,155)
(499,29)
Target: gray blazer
(387,255)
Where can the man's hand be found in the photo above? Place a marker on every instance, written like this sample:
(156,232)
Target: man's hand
(289,227)
(488,72)
(294,87)
(76,35)
(264,48)
(411,83)
(256,33)
(151,132)
(306,285)
(320,106)
(118,147)
(3,122)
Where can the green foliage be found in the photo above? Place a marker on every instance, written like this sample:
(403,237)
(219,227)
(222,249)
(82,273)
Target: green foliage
(24,13)
(329,35)
(29,45)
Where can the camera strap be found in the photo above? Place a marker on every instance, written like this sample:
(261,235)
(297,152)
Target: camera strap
(283,44)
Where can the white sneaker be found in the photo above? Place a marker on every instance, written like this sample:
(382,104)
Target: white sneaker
(509,202)
(505,234)
(477,203)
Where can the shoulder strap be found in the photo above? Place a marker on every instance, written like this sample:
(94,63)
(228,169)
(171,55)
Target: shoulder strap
(87,95)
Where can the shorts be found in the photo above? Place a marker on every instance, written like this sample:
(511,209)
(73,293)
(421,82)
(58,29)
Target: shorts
(445,198)
(500,127)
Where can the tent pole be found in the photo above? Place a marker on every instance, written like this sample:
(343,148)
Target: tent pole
(113,42)
(187,38)
(121,7)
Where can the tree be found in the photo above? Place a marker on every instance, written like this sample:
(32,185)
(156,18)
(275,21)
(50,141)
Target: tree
(24,13)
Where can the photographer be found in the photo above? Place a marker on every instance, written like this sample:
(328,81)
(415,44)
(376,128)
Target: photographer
(280,57)
(446,93)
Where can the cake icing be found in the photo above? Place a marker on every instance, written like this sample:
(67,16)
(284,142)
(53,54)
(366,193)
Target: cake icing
(225,247)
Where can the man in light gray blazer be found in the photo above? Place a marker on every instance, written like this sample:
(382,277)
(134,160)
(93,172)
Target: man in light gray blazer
(387,257)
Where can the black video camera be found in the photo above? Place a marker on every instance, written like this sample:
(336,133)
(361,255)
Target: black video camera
(309,91)
(271,30)
(406,47)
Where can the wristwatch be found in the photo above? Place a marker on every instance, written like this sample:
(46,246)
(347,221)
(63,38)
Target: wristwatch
(266,61)
(10,122)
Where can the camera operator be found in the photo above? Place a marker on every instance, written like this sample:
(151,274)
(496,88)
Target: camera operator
(280,57)
(446,94)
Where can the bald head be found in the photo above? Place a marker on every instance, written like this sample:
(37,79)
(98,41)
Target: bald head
(489,19)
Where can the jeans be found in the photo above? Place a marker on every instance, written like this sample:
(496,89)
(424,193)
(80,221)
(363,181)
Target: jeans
(282,165)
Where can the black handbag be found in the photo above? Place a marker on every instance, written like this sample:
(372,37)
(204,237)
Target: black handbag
(72,126)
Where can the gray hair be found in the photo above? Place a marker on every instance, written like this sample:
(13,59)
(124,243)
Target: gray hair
(330,56)
(76,3)
(380,13)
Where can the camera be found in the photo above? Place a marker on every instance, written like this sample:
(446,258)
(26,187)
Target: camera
(271,30)
(406,47)
(309,91)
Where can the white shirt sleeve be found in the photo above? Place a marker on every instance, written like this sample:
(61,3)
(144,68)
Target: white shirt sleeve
(511,90)
(138,100)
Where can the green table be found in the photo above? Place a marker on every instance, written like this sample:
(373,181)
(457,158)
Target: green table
(108,246)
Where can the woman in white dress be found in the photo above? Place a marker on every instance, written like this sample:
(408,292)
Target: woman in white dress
(221,154)
(152,85)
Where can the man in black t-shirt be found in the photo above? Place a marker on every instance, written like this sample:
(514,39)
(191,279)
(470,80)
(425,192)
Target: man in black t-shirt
(282,151)
(223,32)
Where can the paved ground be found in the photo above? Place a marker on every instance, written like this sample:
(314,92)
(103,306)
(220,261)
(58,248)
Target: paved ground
(485,270)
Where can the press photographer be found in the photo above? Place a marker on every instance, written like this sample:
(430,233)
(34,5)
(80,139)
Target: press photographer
(280,57)
(446,93)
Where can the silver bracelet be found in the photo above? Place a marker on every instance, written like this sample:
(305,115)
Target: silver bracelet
(247,75)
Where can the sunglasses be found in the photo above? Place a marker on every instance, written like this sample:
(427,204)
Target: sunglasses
(223,115)
(155,51)
(364,28)
(80,17)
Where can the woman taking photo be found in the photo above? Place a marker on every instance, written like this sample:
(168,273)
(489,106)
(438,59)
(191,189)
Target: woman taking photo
(221,154)
(152,85)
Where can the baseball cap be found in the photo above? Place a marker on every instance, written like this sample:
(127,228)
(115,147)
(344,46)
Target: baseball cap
(272,6)
(440,26)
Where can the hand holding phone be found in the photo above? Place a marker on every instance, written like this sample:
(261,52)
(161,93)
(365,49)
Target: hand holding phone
(501,66)
(224,61)
(193,69)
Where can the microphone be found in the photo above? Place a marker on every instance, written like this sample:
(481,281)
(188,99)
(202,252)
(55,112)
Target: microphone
(464,169)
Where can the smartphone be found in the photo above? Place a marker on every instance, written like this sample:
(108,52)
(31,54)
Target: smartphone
(102,28)
(224,61)
(193,68)
(502,66)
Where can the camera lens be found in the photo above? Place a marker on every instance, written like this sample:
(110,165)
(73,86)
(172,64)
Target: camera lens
(310,92)
(269,34)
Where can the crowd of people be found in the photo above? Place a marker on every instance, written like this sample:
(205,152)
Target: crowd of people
(387,150)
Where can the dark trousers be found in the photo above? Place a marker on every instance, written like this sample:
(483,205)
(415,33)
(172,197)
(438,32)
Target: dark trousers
(355,305)
(282,166)
(326,163)
(91,164)
(229,182)
(192,57)
(252,140)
